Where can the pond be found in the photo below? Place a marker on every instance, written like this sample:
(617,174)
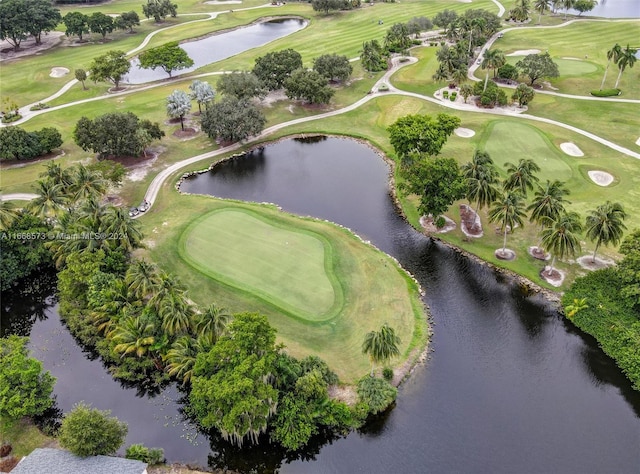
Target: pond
(510,386)
(220,46)
(614,9)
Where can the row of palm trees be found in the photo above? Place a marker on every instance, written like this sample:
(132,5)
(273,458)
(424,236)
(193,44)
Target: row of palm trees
(623,58)
(559,228)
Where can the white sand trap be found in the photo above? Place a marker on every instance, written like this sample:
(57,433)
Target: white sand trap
(571,149)
(601,178)
(524,52)
(223,2)
(464,132)
(638,141)
(571,59)
(59,72)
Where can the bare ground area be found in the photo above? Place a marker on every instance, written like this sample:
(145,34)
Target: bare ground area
(470,223)
(538,253)
(29,46)
(552,276)
(430,228)
(589,263)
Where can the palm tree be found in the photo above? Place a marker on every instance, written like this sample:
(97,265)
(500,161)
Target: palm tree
(559,237)
(143,278)
(381,345)
(57,174)
(212,323)
(627,59)
(605,225)
(508,210)
(86,183)
(548,202)
(133,335)
(541,6)
(568,5)
(612,55)
(521,10)
(176,313)
(481,177)
(479,24)
(121,228)
(493,59)
(459,75)
(50,201)
(167,285)
(8,214)
(181,357)
(521,176)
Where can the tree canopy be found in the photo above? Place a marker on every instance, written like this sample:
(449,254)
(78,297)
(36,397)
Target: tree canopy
(98,22)
(19,18)
(170,57)
(112,67)
(242,84)
(334,67)
(232,120)
(538,66)
(159,9)
(274,68)
(421,133)
(202,93)
(373,56)
(18,144)
(309,86)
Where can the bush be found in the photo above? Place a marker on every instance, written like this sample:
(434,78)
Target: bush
(87,431)
(11,117)
(440,222)
(606,93)
(39,106)
(140,452)
(387,373)
(508,71)
(378,394)
(445,94)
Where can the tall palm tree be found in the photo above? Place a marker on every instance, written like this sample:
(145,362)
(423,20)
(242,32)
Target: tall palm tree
(548,202)
(121,228)
(612,55)
(627,59)
(541,6)
(167,285)
(521,10)
(86,183)
(482,178)
(508,210)
(51,199)
(143,278)
(212,323)
(477,24)
(459,75)
(181,357)
(568,5)
(133,335)
(176,313)
(8,214)
(93,211)
(57,174)
(560,237)
(605,225)
(381,345)
(493,59)
(521,176)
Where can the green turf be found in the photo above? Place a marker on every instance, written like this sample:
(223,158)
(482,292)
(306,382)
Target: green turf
(508,142)
(287,267)
(566,67)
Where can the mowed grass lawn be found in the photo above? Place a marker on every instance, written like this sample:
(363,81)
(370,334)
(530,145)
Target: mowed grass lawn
(324,256)
(288,267)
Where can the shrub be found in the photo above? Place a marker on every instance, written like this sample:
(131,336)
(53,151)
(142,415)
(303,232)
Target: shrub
(445,94)
(39,106)
(11,117)
(606,93)
(378,394)
(141,453)
(387,373)
(440,222)
(508,71)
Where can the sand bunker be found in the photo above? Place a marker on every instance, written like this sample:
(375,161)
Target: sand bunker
(601,178)
(59,72)
(464,132)
(571,149)
(223,2)
(638,141)
(524,52)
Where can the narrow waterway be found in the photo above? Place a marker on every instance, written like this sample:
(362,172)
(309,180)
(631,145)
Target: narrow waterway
(510,385)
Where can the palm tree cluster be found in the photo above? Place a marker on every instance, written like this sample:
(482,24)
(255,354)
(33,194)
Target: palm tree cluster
(623,58)
(559,228)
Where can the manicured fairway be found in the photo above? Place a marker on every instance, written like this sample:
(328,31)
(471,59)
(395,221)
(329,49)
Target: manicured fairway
(285,266)
(567,67)
(509,142)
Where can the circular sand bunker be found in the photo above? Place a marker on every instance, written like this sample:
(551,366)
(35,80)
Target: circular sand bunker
(464,132)
(524,52)
(59,72)
(571,149)
(601,178)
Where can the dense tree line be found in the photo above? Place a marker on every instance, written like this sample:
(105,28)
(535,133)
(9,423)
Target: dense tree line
(18,144)
(78,24)
(22,18)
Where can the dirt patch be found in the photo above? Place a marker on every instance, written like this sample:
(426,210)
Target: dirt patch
(430,228)
(505,254)
(464,132)
(571,149)
(138,167)
(29,47)
(58,72)
(589,263)
(538,253)
(346,394)
(185,134)
(470,223)
(524,52)
(552,276)
(273,97)
(601,178)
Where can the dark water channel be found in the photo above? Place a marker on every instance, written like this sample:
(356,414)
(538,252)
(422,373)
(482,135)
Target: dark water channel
(510,386)
(220,46)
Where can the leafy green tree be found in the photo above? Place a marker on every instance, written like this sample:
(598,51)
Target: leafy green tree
(77,24)
(629,269)
(605,225)
(508,71)
(98,22)
(334,67)
(241,84)
(523,94)
(81,75)
(25,390)
(114,134)
(170,57)
(397,39)
(612,55)
(584,5)
(538,66)
(127,20)
(437,182)
(18,144)
(159,9)
(309,86)
(327,5)
(418,24)
(42,18)
(14,22)
(560,237)
(178,105)
(508,211)
(376,393)
(521,176)
(274,68)
(627,59)
(232,120)
(87,431)
(202,93)
(491,95)
(294,423)
(381,345)
(373,56)
(541,6)
(230,384)
(421,133)
(112,67)
(466,91)
(445,19)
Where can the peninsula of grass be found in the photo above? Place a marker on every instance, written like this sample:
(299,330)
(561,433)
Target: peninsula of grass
(321,287)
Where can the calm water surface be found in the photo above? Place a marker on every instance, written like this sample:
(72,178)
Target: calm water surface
(615,9)
(222,46)
(510,386)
